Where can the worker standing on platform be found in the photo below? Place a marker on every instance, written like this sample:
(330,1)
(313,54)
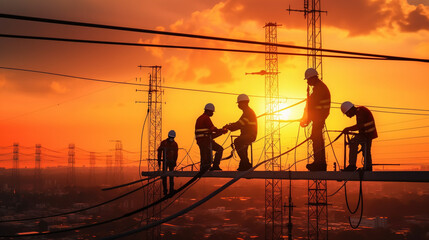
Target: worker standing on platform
(249,129)
(365,124)
(167,155)
(205,132)
(316,111)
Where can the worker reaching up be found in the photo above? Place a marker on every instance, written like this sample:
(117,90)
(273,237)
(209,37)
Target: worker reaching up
(205,132)
(167,155)
(316,111)
(365,124)
(249,128)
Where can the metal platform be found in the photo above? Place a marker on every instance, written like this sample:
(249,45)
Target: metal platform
(376,176)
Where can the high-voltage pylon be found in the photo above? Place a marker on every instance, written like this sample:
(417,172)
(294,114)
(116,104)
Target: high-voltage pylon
(71,175)
(37,170)
(154,190)
(92,168)
(273,187)
(317,189)
(119,160)
(108,179)
(15,170)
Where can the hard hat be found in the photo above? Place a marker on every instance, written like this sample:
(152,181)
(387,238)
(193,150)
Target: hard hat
(346,106)
(171,134)
(310,72)
(210,107)
(242,97)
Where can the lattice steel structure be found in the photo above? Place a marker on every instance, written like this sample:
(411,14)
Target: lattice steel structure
(273,187)
(317,189)
(92,167)
(37,170)
(71,175)
(119,171)
(154,191)
(109,169)
(15,170)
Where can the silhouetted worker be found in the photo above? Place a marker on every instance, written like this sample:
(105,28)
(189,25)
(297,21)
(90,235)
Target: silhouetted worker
(249,129)
(316,111)
(205,132)
(365,124)
(167,155)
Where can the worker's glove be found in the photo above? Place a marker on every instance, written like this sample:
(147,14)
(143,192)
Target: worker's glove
(303,123)
(224,130)
(226,127)
(346,130)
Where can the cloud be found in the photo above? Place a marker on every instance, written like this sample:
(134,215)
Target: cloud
(358,17)
(416,20)
(57,87)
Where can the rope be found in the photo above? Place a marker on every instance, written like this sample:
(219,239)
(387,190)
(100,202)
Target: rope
(83,209)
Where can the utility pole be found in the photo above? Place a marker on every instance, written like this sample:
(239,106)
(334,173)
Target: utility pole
(37,169)
(273,187)
(92,168)
(15,171)
(71,176)
(317,189)
(118,161)
(154,190)
(108,169)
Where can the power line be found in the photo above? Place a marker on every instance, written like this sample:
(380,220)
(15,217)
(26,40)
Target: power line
(404,138)
(171,46)
(140,30)
(83,209)
(189,89)
(403,129)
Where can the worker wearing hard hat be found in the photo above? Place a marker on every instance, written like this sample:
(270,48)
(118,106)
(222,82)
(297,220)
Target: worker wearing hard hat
(205,132)
(249,128)
(365,124)
(167,155)
(316,111)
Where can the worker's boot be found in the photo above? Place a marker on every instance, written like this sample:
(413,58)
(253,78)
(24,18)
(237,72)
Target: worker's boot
(215,168)
(316,166)
(349,168)
(245,167)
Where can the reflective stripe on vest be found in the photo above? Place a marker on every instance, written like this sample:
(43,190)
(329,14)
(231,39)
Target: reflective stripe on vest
(202,132)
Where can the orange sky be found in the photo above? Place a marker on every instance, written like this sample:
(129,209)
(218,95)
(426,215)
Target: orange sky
(55,111)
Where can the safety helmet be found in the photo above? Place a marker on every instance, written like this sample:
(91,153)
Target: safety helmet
(310,72)
(171,134)
(242,97)
(346,106)
(210,107)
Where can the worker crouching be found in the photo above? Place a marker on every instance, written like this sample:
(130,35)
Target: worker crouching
(249,128)
(205,132)
(167,155)
(365,124)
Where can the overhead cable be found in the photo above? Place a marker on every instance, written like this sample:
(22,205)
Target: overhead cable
(172,46)
(176,34)
(82,209)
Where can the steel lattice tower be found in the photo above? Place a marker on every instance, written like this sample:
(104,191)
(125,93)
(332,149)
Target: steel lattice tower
(118,161)
(15,171)
(154,190)
(273,187)
(317,189)
(71,176)
(92,168)
(37,169)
